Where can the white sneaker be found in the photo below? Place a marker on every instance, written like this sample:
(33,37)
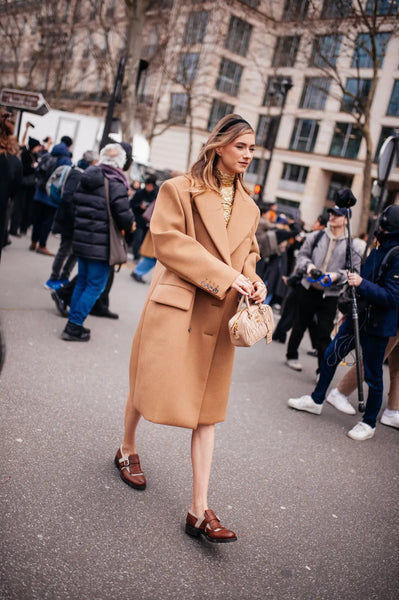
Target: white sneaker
(361,431)
(392,420)
(340,402)
(294,364)
(305,403)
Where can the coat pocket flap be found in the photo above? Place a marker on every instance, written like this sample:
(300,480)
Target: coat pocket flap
(173,295)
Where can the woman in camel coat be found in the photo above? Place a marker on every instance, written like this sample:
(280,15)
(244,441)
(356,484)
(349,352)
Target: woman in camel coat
(203,230)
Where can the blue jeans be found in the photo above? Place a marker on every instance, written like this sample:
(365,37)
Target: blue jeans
(373,349)
(91,281)
(145,264)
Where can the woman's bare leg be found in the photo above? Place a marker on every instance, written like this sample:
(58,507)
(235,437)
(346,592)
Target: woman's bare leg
(132,418)
(202,444)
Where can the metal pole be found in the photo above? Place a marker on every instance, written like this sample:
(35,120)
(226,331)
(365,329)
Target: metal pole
(115,96)
(383,194)
(285,86)
(355,320)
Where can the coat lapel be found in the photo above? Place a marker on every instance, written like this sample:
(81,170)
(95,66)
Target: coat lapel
(241,220)
(209,206)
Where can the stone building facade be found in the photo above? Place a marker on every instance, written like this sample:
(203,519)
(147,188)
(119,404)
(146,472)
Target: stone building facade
(300,71)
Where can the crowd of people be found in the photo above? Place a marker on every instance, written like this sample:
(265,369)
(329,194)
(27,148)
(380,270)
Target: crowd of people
(208,242)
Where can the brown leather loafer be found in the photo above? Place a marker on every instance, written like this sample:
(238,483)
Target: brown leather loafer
(130,469)
(44,250)
(210,527)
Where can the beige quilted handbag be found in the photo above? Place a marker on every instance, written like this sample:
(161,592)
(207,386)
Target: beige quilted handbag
(251,323)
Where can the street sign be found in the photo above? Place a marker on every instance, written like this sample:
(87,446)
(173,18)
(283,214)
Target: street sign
(388,158)
(32,102)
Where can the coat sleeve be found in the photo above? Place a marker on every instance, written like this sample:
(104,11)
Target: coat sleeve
(386,295)
(305,253)
(181,253)
(249,269)
(120,207)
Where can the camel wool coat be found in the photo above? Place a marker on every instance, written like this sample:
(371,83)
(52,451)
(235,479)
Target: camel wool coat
(182,357)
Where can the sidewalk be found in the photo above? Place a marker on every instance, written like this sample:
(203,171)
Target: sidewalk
(316,514)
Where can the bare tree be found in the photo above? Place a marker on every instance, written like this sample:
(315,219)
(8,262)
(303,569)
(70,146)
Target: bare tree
(360,40)
(136,10)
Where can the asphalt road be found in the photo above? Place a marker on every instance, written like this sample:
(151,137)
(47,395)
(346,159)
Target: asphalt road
(316,513)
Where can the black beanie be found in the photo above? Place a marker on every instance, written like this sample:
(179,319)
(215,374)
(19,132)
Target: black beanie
(389,220)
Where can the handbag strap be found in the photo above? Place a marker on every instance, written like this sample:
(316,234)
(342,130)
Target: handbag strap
(243,299)
(106,188)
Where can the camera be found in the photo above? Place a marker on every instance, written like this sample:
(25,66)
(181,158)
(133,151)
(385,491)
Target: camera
(316,274)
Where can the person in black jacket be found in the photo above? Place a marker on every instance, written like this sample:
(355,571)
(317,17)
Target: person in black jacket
(65,260)
(139,203)
(21,216)
(378,321)
(91,231)
(10,171)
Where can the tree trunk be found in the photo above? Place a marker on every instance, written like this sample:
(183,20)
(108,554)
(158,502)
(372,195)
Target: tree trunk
(134,39)
(366,187)
(190,135)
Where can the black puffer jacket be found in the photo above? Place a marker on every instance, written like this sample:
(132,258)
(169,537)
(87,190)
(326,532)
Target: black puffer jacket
(91,227)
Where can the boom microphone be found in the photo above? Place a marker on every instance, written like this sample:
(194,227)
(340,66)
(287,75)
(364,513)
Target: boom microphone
(344,198)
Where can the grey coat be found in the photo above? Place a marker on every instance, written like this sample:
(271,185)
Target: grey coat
(315,254)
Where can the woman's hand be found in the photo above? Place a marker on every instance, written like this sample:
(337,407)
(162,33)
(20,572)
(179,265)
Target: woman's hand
(354,279)
(243,285)
(259,294)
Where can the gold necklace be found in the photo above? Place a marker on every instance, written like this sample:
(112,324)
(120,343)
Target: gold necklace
(227,192)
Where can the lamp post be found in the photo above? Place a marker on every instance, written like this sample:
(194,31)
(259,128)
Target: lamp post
(279,87)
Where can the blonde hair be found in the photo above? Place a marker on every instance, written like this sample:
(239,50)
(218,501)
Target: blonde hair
(202,173)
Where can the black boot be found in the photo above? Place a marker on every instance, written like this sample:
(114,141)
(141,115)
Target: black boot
(103,312)
(75,333)
(60,304)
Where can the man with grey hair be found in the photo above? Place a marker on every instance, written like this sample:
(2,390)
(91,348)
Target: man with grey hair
(65,260)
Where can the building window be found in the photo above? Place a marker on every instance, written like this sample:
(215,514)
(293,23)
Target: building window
(386,132)
(196,27)
(325,50)
(304,135)
(346,140)
(356,94)
(219,110)
(338,181)
(382,7)
(238,36)
(253,166)
(393,108)
(363,55)
(266,131)
(178,108)
(229,77)
(295,173)
(288,207)
(295,10)
(285,51)
(187,68)
(336,9)
(315,92)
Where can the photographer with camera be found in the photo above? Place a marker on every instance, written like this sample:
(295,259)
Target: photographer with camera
(322,262)
(378,289)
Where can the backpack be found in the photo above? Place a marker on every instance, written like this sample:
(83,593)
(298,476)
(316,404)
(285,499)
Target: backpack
(56,183)
(47,164)
(345,298)
(268,244)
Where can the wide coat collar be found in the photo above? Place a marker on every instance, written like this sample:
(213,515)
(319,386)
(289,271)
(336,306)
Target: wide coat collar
(226,239)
